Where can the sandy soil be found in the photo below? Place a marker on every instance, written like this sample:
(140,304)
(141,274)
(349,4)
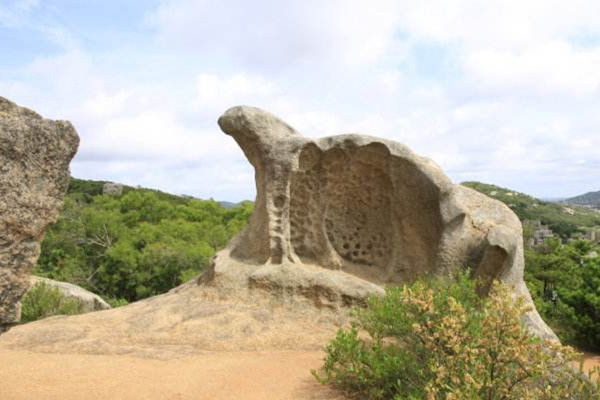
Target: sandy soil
(591,360)
(273,375)
(211,376)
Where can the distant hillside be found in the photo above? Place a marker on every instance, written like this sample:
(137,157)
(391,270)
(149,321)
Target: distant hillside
(227,204)
(89,188)
(591,199)
(564,219)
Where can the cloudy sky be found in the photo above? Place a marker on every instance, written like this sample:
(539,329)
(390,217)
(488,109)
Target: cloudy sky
(504,92)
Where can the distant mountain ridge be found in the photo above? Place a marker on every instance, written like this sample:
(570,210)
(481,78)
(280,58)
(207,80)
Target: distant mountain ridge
(590,199)
(228,204)
(562,218)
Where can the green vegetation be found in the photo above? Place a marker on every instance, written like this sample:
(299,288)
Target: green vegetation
(556,215)
(564,280)
(432,340)
(43,301)
(136,245)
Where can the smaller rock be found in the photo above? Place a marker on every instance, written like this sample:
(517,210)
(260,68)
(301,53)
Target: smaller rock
(90,301)
(112,189)
(568,210)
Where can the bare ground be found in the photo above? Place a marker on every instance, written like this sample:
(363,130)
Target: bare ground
(591,361)
(211,376)
(273,375)
(196,342)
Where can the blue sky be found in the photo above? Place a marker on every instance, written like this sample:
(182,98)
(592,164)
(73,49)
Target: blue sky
(503,92)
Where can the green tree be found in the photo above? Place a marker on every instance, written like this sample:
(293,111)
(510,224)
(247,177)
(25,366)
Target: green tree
(565,283)
(136,245)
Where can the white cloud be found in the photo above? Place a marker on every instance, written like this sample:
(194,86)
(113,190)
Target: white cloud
(216,93)
(555,67)
(135,134)
(499,24)
(104,105)
(269,35)
(13,13)
(509,93)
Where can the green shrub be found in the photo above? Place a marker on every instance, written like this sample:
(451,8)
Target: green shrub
(435,340)
(114,303)
(43,301)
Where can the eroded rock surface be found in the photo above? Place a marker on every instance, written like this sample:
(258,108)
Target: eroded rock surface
(368,207)
(335,220)
(34,175)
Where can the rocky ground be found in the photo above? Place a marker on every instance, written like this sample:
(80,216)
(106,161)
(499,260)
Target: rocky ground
(221,315)
(195,342)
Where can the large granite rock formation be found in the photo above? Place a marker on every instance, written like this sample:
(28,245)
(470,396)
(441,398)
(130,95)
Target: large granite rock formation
(368,207)
(34,175)
(335,220)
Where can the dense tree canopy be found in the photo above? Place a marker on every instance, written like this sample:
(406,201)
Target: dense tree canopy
(564,280)
(135,245)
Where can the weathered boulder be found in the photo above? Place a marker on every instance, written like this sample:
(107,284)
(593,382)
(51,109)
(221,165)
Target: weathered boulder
(34,175)
(112,189)
(89,301)
(368,211)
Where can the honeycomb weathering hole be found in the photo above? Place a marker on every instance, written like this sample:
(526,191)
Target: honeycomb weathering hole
(345,201)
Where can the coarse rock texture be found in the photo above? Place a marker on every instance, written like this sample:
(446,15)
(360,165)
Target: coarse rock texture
(112,189)
(34,175)
(89,301)
(368,207)
(224,314)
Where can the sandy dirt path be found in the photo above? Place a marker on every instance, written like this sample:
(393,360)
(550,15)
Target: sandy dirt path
(214,375)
